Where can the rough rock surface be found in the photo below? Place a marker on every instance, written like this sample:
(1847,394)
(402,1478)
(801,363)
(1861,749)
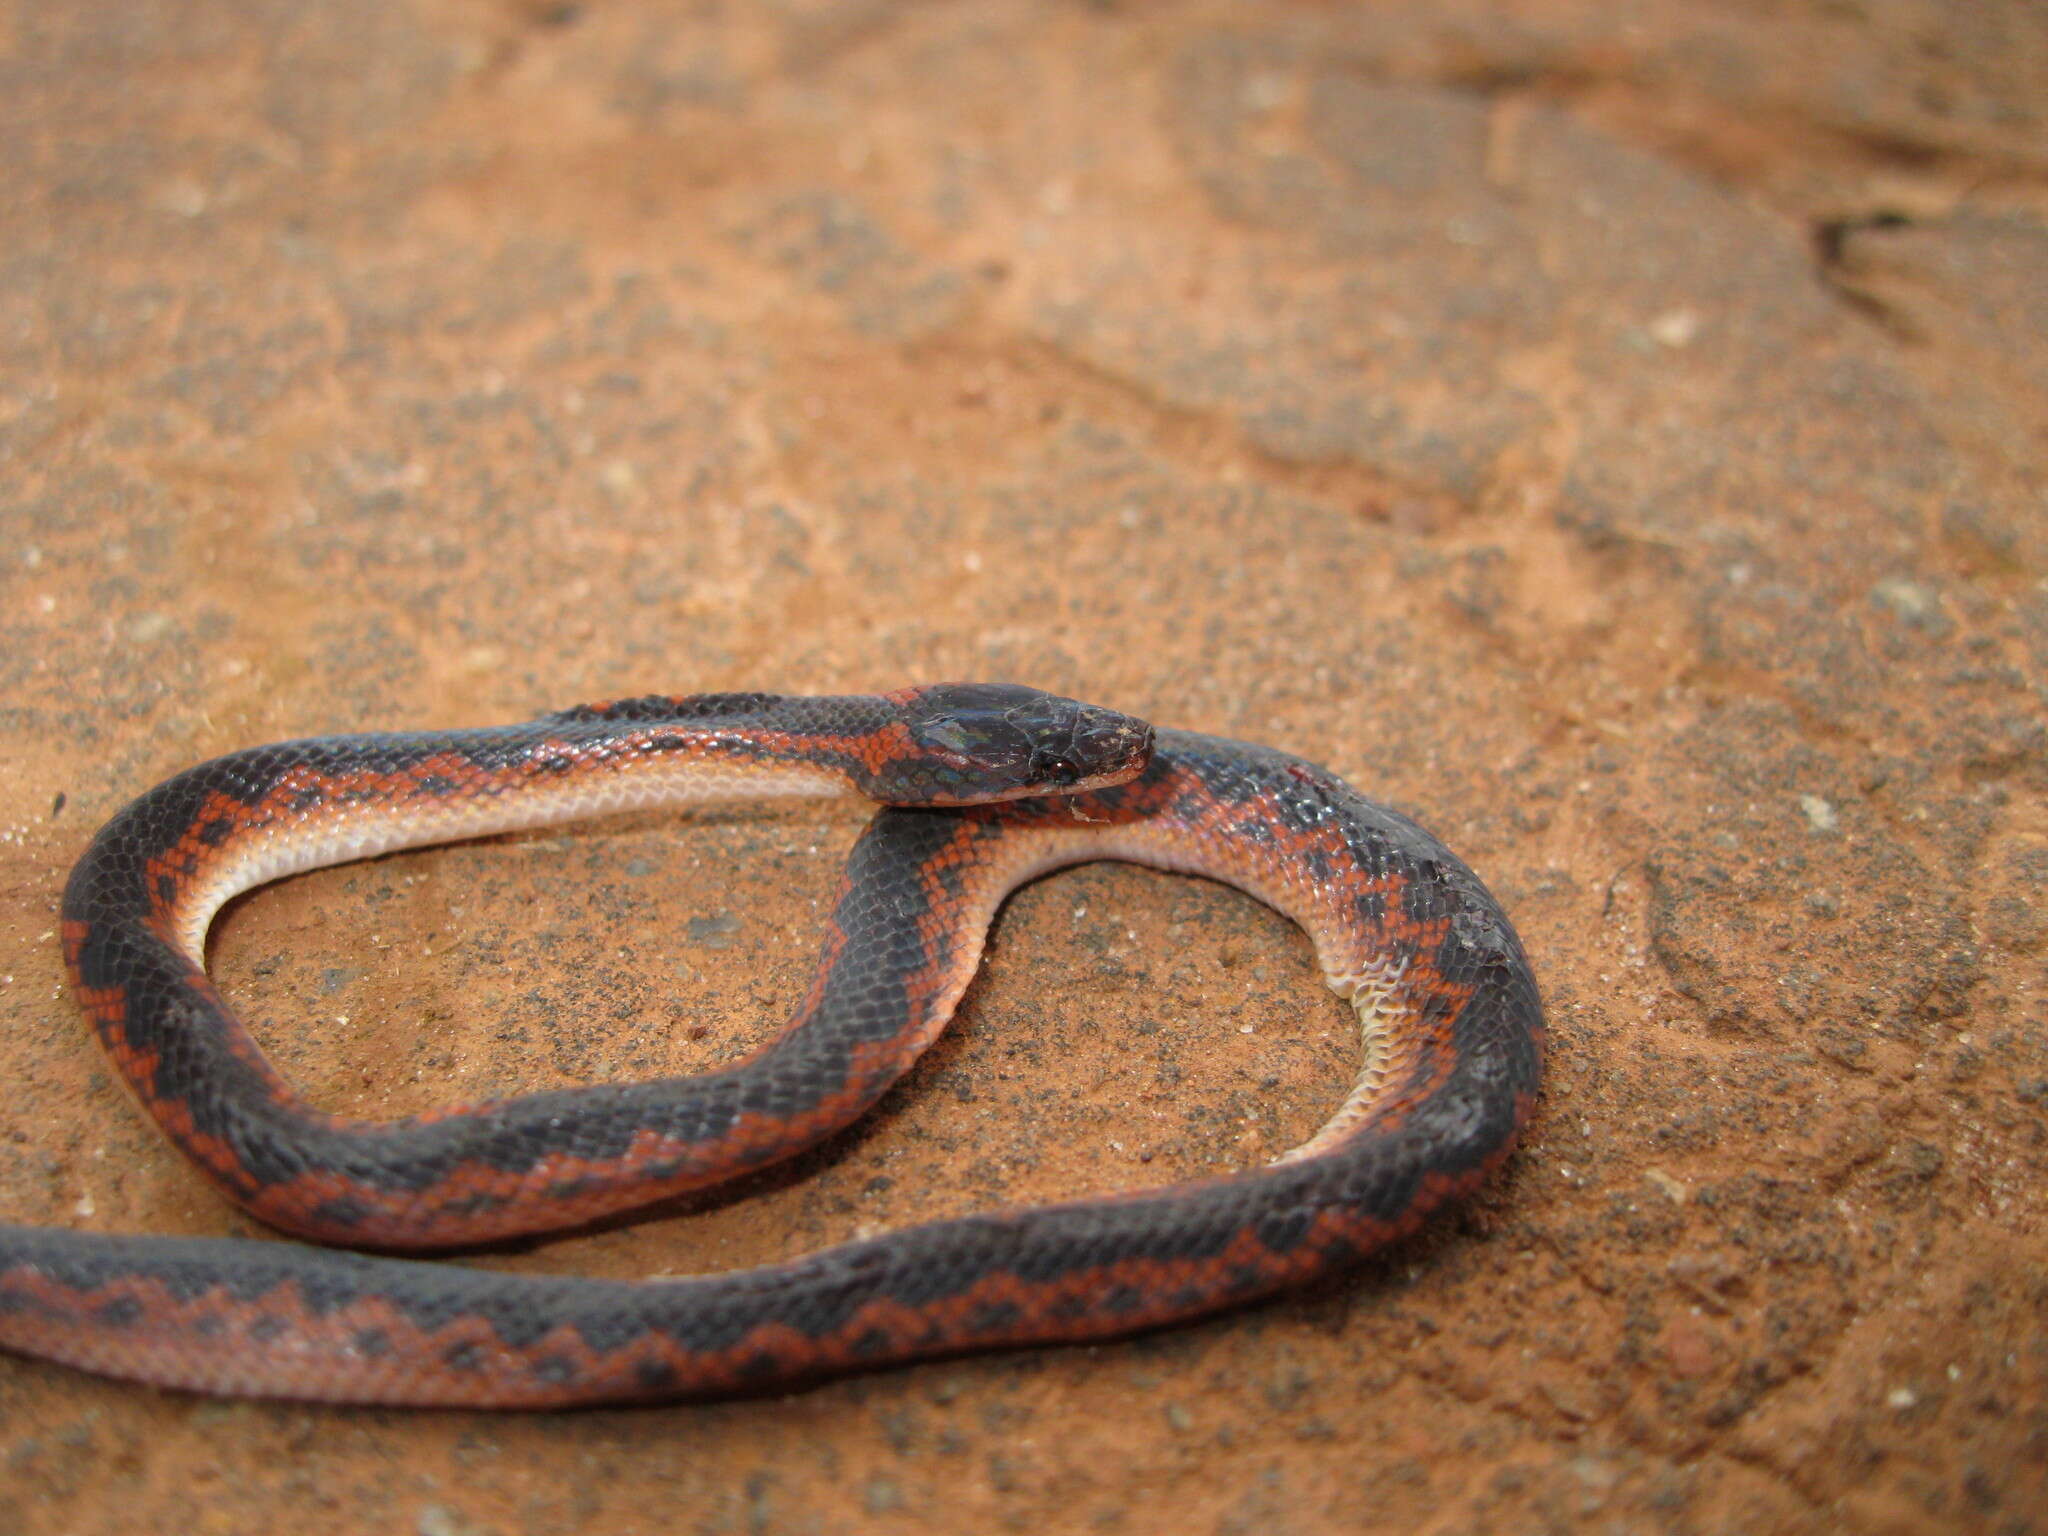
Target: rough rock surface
(1611,432)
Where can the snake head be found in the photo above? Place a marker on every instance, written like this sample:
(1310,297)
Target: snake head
(977,742)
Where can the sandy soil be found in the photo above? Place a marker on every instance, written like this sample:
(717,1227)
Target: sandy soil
(1612,433)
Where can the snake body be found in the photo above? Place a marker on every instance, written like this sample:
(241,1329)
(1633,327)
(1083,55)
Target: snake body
(989,786)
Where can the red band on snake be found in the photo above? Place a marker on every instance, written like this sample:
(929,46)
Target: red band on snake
(988,786)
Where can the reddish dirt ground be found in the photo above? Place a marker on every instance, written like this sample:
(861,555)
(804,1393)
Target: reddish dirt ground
(1612,433)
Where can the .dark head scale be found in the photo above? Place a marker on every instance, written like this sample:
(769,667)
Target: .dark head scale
(1000,741)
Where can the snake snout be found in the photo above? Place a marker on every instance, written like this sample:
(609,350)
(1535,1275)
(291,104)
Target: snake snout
(1105,747)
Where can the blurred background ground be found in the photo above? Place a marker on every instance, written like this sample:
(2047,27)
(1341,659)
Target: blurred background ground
(1612,432)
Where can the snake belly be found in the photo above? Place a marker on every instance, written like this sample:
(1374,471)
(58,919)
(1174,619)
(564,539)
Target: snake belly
(1450,1019)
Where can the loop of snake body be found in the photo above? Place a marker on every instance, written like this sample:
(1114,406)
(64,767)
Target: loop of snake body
(988,786)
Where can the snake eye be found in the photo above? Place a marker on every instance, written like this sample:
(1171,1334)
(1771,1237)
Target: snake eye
(1052,768)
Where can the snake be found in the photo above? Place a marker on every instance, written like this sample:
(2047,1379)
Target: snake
(984,787)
